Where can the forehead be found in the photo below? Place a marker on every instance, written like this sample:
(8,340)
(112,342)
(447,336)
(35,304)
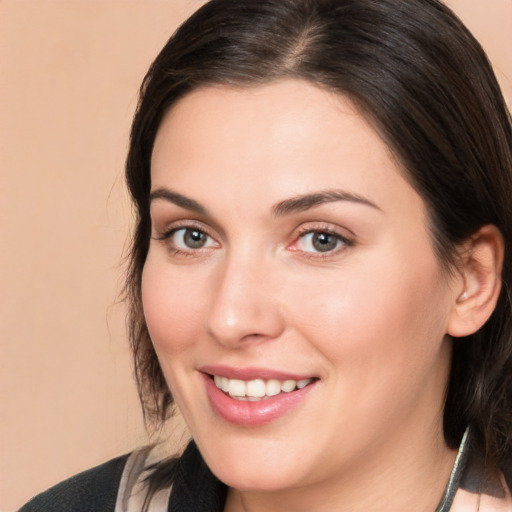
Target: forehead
(277,140)
(287,109)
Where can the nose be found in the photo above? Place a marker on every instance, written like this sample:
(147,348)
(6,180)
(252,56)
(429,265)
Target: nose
(245,304)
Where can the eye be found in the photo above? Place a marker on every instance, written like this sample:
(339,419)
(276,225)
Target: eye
(186,240)
(190,238)
(320,241)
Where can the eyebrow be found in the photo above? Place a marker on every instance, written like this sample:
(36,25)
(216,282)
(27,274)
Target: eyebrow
(178,200)
(286,207)
(305,202)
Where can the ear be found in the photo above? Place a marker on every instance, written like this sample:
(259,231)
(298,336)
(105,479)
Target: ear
(478,289)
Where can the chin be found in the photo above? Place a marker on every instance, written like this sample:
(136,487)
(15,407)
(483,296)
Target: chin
(255,479)
(253,470)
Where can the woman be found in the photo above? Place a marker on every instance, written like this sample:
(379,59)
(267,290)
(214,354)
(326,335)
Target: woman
(321,265)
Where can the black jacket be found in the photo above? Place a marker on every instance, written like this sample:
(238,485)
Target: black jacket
(194,488)
(94,490)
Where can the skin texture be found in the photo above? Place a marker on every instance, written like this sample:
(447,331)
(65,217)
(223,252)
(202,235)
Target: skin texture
(369,319)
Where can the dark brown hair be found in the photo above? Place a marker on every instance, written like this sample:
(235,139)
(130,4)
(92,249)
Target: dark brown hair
(422,80)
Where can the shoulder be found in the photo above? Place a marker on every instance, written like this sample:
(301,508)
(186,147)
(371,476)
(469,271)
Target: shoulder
(94,489)
(482,487)
(122,485)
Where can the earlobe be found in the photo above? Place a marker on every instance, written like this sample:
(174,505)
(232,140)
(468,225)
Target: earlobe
(480,269)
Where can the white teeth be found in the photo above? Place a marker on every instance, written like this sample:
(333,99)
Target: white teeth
(256,388)
(303,383)
(236,387)
(224,384)
(288,385)
(253,390)
(273,387)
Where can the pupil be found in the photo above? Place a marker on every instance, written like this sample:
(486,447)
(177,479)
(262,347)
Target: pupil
(194,239)
(324,242)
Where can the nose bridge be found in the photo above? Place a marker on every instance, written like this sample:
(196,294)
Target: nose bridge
(244,304)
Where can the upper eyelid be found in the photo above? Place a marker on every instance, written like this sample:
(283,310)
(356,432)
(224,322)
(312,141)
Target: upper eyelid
(207,224)
(345,235)
(169,227)
(279,211)
(345,239)
(325,227)
(217,234)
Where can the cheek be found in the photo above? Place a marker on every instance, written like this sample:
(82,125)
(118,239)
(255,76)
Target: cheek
(173,305)
(381,335)
(375,314)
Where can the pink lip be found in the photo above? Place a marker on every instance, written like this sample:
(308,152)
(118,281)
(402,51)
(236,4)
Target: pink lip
(253,414)
(250,373)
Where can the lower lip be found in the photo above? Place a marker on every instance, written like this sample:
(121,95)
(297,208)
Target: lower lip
(253,414)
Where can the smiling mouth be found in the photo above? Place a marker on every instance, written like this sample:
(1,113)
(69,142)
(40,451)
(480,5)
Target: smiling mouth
(258,389)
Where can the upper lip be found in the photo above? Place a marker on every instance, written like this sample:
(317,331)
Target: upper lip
(251,373)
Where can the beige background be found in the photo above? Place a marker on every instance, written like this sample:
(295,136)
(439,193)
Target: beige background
(69,76)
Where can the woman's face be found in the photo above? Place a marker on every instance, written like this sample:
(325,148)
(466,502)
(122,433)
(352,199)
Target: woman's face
(291,265)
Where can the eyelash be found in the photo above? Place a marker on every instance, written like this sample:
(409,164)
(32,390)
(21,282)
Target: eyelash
(323,230)
(301,235)
(166,237)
